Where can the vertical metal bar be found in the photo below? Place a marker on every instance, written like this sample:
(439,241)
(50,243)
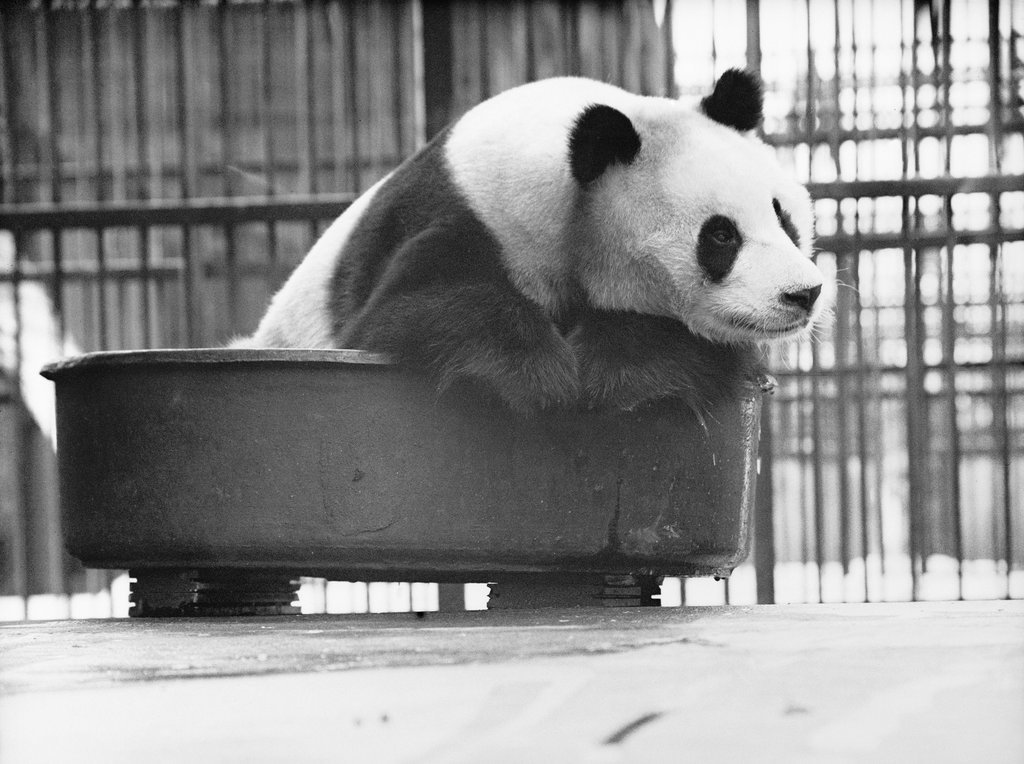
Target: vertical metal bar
(47,63)
(948,312)
(841,338)
(418,75)
(571,11)
(764,499)
(531,43)
(619,9)
(305,78)
(19,531)
(267,97)
(82,90)
(997,310)
(878,420)
(764,511)
(817,470)
(862,425)
(857,310)
(997,305)
(439,84)
(398,16)
(312,155)
(45,565)
(18,540)
(192,330)
(8,134)
(267,123)
(753,34)
(335,33)
(227,129)
(875,377)
(142,190)
(917,437)
(800,426)
(911,274)
(98,84)
(451,598)
(437,64)
(8,159)
(671,89)
(482,55)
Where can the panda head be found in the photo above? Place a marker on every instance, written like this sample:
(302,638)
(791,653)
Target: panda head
(688,214)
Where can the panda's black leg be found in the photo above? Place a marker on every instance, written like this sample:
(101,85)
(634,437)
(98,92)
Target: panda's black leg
(479,333)
(629,358)
(621,364)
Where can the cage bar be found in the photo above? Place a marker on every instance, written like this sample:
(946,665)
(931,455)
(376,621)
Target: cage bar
(948,314)
(192,320)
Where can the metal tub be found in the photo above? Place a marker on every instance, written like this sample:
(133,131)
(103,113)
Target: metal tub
(336,464)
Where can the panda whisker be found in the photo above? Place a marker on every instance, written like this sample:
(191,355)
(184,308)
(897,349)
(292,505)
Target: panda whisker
(816,333)
(851,287)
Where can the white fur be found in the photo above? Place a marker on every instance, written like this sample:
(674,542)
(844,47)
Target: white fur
(635,249)
(509,155)
(698,168)
(630,239)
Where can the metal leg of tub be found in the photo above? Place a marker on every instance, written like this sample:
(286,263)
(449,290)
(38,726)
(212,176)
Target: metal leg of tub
(169,592)
(531,592)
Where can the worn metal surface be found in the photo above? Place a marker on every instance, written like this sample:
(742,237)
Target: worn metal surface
(898,682)
(333,463)
(157,592)
(528,593)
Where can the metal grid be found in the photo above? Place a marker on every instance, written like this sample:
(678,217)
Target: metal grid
(897,442)
(172,162)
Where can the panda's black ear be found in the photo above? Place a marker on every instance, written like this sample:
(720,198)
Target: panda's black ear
(737,100)
(601,136)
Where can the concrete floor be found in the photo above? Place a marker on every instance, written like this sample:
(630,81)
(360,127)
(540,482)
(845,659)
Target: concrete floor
(926,682)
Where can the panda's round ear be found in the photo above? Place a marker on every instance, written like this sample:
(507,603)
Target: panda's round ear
(600,137)
(736,101)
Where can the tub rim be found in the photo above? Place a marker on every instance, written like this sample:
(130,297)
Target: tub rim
(119,359)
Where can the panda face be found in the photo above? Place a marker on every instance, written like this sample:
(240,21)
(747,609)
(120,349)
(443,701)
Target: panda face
(703,225)
(643,203)
(735,237)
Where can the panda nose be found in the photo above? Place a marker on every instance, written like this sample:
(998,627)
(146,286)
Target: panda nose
(802,298)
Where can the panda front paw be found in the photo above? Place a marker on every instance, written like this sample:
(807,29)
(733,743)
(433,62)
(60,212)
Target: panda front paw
(541,380)
(610,385)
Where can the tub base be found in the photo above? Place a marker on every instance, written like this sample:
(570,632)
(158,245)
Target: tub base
(171,592)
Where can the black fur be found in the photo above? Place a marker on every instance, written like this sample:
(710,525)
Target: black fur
(628,358)
(737,100)
(602,136)
(421,277)
(718,244)
(786,222)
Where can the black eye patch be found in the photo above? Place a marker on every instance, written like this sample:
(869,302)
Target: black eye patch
(718,244)
(786,222)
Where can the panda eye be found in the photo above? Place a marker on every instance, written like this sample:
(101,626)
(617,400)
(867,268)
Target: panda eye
(718,245)
(724,235)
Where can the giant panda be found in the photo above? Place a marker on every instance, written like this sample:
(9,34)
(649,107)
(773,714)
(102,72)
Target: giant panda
(569,244)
